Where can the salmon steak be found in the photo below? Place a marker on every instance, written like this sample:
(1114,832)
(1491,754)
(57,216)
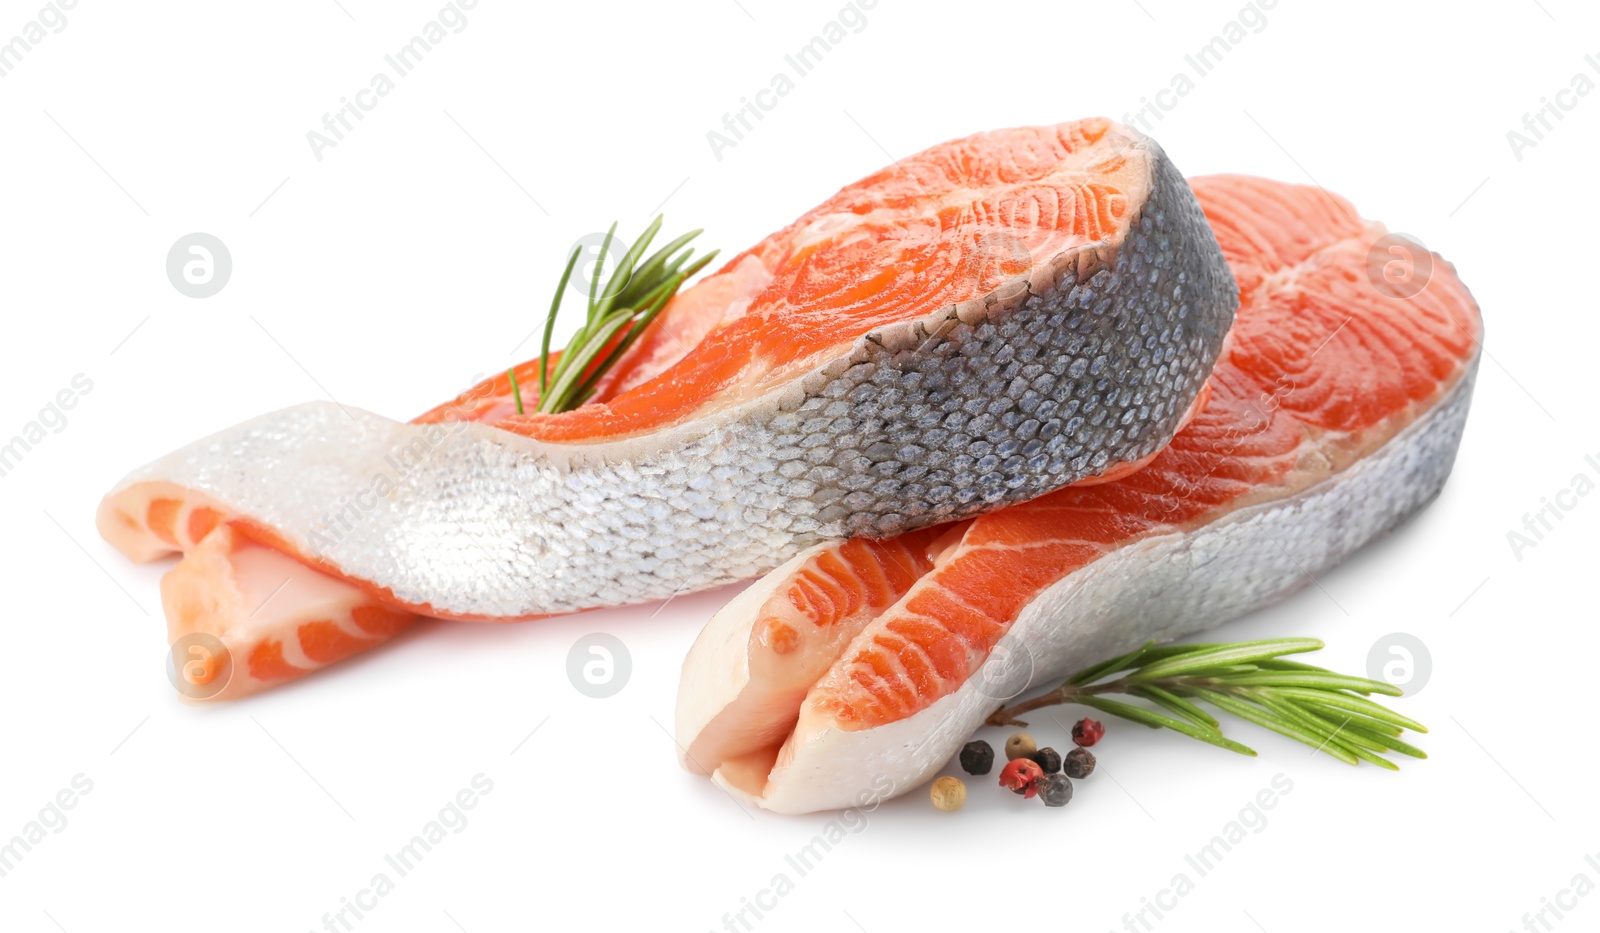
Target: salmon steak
(1335,412)
(987,321)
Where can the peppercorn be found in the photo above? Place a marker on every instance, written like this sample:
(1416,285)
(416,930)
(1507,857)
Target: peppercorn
(1087,731)
(1021,776)
(1079,763)
(977,757)
(948,794)
(1048,760)
(1020,745)
(1054,789)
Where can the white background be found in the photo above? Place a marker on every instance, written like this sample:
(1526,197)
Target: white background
(418,253)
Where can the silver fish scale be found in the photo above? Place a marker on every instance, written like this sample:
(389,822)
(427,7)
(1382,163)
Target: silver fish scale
(1078,377)
(1088,364)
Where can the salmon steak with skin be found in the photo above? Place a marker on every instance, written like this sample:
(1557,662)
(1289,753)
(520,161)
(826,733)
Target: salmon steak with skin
(987,321)
(1335,412)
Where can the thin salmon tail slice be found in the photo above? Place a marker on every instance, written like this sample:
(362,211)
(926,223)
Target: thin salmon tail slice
(275,618)
(156,520)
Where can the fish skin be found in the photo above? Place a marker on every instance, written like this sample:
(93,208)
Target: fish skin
(1297,463)
(1086,362)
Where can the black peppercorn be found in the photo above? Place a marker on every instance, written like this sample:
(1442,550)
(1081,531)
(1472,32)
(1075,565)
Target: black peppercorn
(1055,790)
(977,757)
(1047,759)
(1079,763)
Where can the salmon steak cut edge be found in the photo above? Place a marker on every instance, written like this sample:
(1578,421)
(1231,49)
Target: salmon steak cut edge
(1335,412)
(988,320)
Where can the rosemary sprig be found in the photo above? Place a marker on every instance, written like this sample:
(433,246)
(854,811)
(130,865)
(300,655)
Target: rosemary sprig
(616,315)
(1327,711)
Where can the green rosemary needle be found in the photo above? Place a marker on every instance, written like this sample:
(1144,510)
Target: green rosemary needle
(516,390)
(1329,712)
(617,313)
